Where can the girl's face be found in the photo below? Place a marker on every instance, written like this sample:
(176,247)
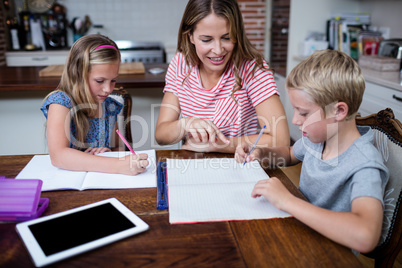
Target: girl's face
(212,43)
(102,80)
(308,116)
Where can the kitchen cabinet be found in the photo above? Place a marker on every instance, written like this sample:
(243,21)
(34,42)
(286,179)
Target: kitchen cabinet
(36,58)
(378,97)
(383,90)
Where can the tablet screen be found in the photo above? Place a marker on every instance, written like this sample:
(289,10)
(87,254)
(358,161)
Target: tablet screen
(75,229)
(56,237)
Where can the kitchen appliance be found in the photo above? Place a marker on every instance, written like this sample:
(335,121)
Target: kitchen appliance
(391,48)
(146,52)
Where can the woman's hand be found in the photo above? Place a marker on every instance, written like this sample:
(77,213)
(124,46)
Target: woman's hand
(133,164)
(98,150)
(203,136)
(192,145)
(202,130)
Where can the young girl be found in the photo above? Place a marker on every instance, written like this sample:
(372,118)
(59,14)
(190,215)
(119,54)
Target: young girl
(220,85)
(81,118)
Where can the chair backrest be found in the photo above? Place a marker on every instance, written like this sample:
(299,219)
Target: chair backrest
(388,140)
(123,119)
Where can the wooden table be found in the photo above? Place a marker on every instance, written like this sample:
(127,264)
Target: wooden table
(255,243)
(28,79)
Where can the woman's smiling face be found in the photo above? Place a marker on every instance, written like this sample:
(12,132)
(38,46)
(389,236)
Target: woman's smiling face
(212,43)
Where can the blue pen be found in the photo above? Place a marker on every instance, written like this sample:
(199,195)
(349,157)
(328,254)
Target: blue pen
(255,143)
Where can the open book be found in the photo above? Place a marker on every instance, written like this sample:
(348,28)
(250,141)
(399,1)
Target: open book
(40,167)
(216,189)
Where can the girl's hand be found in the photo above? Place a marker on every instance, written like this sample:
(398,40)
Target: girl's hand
(274,191)
(242,151)
(97,150)
(203,131)
(133,164)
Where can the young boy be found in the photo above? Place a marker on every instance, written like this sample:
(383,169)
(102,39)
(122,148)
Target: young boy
(343,176)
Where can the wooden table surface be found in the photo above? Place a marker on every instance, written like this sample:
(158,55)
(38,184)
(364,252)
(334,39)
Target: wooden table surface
(28,79)
(255,243)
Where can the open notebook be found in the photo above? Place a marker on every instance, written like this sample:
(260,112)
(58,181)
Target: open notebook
(216,189)
(40,167)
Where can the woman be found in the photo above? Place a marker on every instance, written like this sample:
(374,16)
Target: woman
(220,85)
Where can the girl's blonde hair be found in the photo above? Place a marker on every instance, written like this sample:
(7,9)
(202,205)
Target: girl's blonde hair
(329,76)
(85,52)
(195,11)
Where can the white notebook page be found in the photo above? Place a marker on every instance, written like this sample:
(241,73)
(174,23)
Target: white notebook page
(216,189)
(40,167)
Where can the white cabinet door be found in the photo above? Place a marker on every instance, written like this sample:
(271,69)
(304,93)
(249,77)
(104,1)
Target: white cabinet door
(378,97)
(36,58)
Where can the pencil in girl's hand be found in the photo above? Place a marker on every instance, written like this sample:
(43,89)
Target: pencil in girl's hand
(125,141)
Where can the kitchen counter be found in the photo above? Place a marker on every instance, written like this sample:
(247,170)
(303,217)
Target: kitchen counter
(386,79)
(27,79)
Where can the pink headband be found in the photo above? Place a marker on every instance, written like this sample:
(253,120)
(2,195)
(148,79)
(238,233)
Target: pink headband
(106,46)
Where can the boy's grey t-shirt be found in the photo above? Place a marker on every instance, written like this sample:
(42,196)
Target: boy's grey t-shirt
(334,183)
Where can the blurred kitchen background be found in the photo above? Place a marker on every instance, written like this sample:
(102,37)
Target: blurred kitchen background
(133,20)
(285,31)
(275,27)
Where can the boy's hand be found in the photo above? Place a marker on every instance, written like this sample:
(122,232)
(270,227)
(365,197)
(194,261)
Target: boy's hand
(242,151)
(274,191)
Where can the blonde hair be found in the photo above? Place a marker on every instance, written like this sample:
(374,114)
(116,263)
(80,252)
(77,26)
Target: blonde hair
(329,76)
(197,10)
(84,53)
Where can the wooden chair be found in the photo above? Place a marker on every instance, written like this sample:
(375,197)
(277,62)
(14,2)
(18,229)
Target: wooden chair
(123,119)
(388,140)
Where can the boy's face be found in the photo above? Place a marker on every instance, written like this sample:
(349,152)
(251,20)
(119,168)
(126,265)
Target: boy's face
(308,116)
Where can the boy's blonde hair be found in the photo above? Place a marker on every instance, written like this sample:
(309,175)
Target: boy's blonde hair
(329,76)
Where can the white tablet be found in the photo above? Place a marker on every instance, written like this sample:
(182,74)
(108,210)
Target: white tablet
(55,237)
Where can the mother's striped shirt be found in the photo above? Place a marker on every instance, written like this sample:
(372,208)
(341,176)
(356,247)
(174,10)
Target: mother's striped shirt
(216,104)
